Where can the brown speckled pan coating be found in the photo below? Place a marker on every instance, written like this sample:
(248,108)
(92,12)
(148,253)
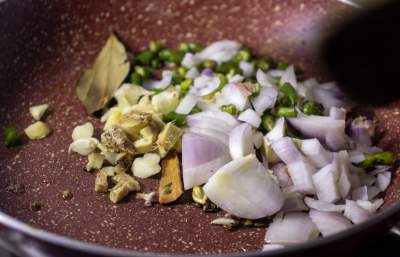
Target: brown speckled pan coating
(45,46)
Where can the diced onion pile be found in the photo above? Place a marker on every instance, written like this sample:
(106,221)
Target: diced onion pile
(264,144)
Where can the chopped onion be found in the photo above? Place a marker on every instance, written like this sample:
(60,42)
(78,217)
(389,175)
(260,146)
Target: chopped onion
(215,134)
(289,76)
(246,181)
(240,141)
(205,85)
(258,139)
(308,86)
(190,60)
(263,79)
(294,203)
(344,181)
(83,131)
(216,114)
(379,169)
(278,131)
(159,84)
(337,113)
(329,223)
(293,228)
(220,51)
(356,156)
(247,68)
(367,179)
(325,183)
(326,129)
(266,99)
(280,170)
(235,95)
(323,206)
(236,79)
(200,121)
(329,95)
(187,103)
(300,169)
(372,192)
(201,157)
(192,73)
(360,193)
(355,213)
(251,117)
(317,154)
(383,180)
(372,207)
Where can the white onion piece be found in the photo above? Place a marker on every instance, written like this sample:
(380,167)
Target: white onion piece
(280,170)
(187,103)
(220,51)
(337,113)
(383,180)
(270,247)
(325,183)
(190,60)
(215,134)
(251,117)
(217,114)
(192,73)
(247,68)
(360,193)
(278,131)
(266,99)
(293,204)
(372,192)
(205,85)
(300,170)
(344,180)
(355,213)
(159,84)
(240,141)
(380,169)
(323,206)
(293,228)
(309,85)
(208,123)
(289,76)
(236,95)
(245,180)
(275,73)
(263,79)
(236,79)
(317,154)
(326,129)
(329,223)
(329,95)
(201,157)
(355,180)
(367,179)
(356,156)
(372,207)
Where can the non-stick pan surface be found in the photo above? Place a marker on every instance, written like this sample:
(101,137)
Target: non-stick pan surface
(46,45)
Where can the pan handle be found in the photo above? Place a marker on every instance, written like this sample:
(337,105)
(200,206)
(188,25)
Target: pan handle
(19,245)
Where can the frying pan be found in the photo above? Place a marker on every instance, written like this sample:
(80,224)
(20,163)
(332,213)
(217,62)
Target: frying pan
(45,46)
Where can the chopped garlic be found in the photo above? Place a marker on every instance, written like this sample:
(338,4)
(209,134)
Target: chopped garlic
(83,131)
(113,118)
(84,146)
(146,166)
(147,197)
(165,102)
(38,111)
(168,138)
(95,161)
(109,171)
(37,130)
(144,145)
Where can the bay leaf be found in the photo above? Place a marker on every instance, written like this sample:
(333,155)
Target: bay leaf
(99,83)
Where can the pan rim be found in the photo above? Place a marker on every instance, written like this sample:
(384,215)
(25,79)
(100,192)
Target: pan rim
(100,250)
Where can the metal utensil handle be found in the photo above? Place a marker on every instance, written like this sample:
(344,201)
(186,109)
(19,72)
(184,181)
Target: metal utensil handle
(395,231)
